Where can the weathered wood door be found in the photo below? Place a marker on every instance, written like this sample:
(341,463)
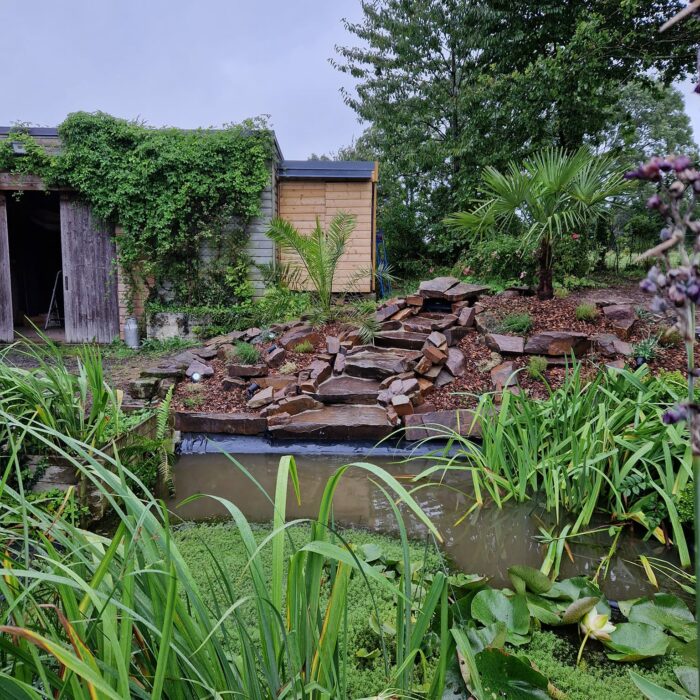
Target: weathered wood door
(6,330)
(89,254)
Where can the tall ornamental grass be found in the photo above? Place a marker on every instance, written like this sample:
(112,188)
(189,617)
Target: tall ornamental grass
(88,616)
(579,449)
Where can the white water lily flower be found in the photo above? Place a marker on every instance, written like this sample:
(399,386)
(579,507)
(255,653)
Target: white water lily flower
(597,626)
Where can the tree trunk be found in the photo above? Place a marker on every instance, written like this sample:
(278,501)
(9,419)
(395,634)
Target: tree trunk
(545,289)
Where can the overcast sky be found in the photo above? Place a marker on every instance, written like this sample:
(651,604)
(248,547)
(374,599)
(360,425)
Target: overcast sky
(185,63)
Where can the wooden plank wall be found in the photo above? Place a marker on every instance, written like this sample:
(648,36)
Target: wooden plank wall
(6,321)
(301,201)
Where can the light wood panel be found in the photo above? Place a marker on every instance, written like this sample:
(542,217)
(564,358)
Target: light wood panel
(301,202)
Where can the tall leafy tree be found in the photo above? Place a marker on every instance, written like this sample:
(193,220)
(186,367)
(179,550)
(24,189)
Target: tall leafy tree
(449,86)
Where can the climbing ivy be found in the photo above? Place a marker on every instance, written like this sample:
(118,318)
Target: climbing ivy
(182,198)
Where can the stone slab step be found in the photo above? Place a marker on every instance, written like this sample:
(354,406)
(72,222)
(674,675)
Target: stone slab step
(405,340)
(337,422)
(229,423)
(422,425)
(345,389)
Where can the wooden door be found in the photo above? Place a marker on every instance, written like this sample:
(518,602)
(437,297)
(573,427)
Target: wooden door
(89,254)
(6,330)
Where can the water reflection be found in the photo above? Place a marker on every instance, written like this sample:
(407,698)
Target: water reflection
(487,541)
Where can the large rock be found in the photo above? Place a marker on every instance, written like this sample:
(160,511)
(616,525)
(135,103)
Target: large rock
(229,423)
(505,344)
(374,364)
(619,312)
(300,334)
(423,425)
(346,389)
(456,364)
(277,381)
(610,345)
(463,291)
(201,368)
(425,323)
(262,398)
(557,343)
(337,423)
(386,312)
(292,405)
(503,375)
(276,357)
(144,388)
(466,316)
(436,288)
(455,334)
(400,339)
(237,370)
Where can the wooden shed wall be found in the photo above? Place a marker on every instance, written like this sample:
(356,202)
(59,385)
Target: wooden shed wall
(301,201)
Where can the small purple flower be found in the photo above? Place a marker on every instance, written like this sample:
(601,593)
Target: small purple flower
(646,285)
(654,202)
(681,163)
(676,414)
(665,234)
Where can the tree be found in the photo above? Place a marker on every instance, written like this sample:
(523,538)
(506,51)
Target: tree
(449,86)
(320,251)
(551,195)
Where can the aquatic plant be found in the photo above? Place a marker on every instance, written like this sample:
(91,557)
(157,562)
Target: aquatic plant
(575,449)
(88,616)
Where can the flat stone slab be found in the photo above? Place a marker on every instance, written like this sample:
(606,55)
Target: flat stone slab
(423,425)
(508,344)
(346,389)
(229,423)
(400,339)
(427,322)
(436,288)
(610,345)
(298,335)
(463,291)
(557,343)
(376,365)
(347,422)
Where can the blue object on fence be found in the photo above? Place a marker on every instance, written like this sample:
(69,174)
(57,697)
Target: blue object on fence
(382,266)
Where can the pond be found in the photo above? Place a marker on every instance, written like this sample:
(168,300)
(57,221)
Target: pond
(488,541)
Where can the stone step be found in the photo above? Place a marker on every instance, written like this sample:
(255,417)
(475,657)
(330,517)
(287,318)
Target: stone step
(345,389)
(377,364)
(337,422)
(405,340)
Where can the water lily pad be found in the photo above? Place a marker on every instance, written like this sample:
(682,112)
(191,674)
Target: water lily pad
(573,589)
(371,552)
(651,690)
(491,606)
(667,612)
(542,609)
(466,582)
(490,636)
(632,641)
(365,655)
(508,676)
(525,577)
(688,678)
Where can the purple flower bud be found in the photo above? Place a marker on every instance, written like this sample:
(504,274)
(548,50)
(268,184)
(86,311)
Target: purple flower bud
(665,165)
(647,286)
(697,89)
(676,414)
(665,234)
(693,292)
(681,163)
(658,305)
(632,175)
(654,202)
(696,186)
(676,189)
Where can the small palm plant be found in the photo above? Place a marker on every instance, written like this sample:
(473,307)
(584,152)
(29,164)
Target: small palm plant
(320,251)
(550,196)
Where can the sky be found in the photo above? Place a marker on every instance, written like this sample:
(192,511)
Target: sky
(187,63)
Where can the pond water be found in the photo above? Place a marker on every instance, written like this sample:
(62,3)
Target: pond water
(488,541)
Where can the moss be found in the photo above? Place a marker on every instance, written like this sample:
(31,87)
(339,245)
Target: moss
(597,677)
(198,543)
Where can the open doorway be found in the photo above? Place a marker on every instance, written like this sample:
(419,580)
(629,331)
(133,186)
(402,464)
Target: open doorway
(34,234)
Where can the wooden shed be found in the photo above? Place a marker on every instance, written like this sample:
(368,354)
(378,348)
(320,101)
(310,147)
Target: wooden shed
(58,260)
(311,189)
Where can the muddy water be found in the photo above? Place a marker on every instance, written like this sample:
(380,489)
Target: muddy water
(488,541)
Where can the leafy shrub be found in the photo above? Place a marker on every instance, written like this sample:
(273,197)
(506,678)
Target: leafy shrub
(646,349)
(515,323)
(686,504)
(561,292)
(671,338)
(501,258)
(536,367)
(304,347)
(586,312)
(246,354)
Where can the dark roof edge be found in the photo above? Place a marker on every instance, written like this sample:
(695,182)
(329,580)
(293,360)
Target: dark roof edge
(327,169)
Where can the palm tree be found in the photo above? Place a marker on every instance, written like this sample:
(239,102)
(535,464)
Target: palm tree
(320,251)
(551,195)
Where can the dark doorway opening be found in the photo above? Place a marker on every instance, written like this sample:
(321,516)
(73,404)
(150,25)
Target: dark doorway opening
(34,232)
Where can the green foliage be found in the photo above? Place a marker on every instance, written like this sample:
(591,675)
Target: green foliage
(647,348)
(552,197)
(502,257)
(536,367)
(586,312)
(246,354)
(576,449)
(304,347)
(686,504)
(517,323)
(174,193)
(320,251)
